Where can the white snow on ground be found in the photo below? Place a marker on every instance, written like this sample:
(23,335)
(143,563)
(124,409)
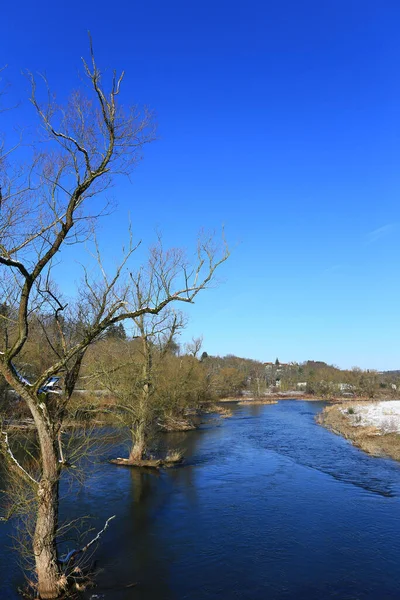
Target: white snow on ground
(385,416)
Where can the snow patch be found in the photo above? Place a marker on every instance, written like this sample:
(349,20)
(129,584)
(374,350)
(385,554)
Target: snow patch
(385,416)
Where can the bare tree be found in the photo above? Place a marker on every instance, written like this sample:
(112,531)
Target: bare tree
(193,348)
(130,372)
(47,204)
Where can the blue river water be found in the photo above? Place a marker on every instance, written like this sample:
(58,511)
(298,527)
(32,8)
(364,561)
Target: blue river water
(268,505)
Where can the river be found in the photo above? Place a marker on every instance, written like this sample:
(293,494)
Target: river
(268,504)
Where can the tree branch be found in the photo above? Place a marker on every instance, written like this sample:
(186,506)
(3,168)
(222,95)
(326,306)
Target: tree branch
(74,553)
(21,469)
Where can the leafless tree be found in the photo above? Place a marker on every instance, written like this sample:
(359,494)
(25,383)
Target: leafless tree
(193,348)
(130,373)
(47,204)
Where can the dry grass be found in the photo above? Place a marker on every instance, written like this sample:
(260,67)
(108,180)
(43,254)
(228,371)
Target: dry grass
(176,424)
(173,457)
(258,401)
(230,399)
(222,411)
(369,439)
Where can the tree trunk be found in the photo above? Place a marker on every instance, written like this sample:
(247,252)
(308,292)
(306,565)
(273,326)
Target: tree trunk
(139,446)
(50,583)
(139,433)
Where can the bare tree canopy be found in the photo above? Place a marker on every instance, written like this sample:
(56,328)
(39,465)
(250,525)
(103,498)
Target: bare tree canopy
(46,204)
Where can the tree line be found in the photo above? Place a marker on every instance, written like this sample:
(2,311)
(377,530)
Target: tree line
(320,379)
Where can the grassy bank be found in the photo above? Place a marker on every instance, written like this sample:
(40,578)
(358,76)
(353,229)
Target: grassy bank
(257,401)
(338,418)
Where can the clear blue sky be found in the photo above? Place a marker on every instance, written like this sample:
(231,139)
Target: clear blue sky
(278,119)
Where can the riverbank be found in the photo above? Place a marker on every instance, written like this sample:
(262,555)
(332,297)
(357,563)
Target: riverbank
(268,398)
(271,398)
(248,401)
(372,426)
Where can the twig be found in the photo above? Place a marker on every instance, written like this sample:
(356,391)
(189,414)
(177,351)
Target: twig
(10,453)
(74,553)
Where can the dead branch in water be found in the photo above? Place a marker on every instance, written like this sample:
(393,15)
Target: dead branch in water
(74,553)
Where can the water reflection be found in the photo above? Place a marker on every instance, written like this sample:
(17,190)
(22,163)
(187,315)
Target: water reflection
(144,485)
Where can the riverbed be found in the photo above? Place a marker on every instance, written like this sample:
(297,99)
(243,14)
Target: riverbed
(268,504)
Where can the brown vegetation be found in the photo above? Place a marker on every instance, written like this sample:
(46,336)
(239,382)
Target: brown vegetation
(316,378)
(369,439)
(221,411)
(173,457)
(258,401)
